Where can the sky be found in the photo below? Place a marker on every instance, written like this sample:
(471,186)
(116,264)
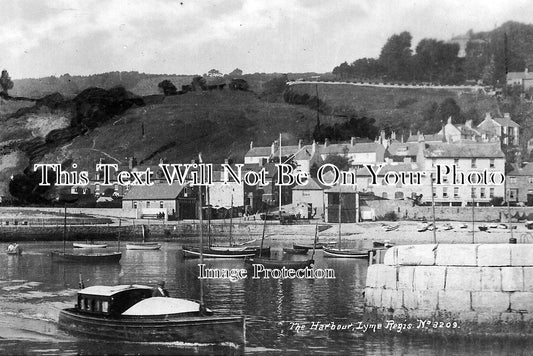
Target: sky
(53,37)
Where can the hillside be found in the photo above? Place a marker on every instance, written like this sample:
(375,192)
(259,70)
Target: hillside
(219,124)
(393,104)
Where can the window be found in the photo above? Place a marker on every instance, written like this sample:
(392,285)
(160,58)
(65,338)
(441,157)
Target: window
(398,195)
(491,193)
(482,192)
(474,163)
(147,204)
(105,306)
(530,180)
(456,162)
(491,163)
(445,192)
(434,192)
(512,180)
(134,205)
(456,192)
(161,204)
(473,193)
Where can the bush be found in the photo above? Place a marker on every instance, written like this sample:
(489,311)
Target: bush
(390,216)
(496,201)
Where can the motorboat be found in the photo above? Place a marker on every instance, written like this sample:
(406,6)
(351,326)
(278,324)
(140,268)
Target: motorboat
(345,253)
(130,313)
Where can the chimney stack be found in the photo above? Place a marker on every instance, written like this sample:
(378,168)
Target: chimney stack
(251,144)
(352,141)
(313,147)
(300,144)
(468,123)
(326,142)
(273,148)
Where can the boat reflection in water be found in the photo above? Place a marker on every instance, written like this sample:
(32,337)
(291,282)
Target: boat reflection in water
(130,313)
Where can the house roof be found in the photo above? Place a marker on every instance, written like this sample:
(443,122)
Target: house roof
(158,191)
(526,170)
(427,138)
(403,149)
(360,147)
(313,184)
(506,121)
(258,152)
(463,149)
(519,75)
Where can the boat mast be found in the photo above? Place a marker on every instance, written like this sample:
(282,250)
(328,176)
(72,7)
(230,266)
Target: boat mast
(509,213)
(231,223)
(473,219)
(208,217)
(263,237)
(279,179)
(202,306)
(316,238)
(340,215)
(433,210)
(65,229)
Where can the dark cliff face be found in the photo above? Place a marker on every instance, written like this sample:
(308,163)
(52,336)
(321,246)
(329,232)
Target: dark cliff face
(88,110)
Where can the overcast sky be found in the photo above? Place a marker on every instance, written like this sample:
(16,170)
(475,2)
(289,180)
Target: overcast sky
(41,38)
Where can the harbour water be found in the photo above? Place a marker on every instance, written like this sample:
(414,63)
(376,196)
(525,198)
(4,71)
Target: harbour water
(282,316)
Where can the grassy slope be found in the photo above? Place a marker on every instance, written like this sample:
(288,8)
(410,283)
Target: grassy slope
(220,124)
(383,102)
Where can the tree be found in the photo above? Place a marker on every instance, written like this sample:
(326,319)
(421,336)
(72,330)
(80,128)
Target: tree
(236,73)
(395,56)
(214,73)
(168,88)
(341,162)
(199,83)
(6,82)
(238,84)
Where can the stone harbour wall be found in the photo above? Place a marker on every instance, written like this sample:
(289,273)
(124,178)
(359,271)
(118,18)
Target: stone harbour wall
(487,289)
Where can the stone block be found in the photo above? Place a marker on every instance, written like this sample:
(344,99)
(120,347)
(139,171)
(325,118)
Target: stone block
(391,256)
(494,255)
(386,298)
(510,317)
(422,314)
(467,317)
(428,299)
(463,278)
(454,301)
(527,317)
(376,297)
(512,279)
(410,299)
(491,279)
(416,255)
(491,302)
(399,314)
(488,318)
(457,255)
(522,301)
(371,276)
(385,276)
(429,277)
(397,299)
(521,255)
(528,279)
(406,276)
(369,295)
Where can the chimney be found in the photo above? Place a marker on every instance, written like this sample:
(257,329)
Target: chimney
(506,115)
(468,123)
(132,162)
(450,120)
(381,136)
(251,144)
(488,116)
(161,161)
(326,142)
(226,161)
(352,141)
(273,148)
(313,148)
(444,138)
(393,135)
(299,144)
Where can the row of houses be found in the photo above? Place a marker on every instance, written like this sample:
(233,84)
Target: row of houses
(469,149)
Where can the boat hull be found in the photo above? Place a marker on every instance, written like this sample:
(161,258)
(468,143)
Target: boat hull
(345,253)
(187,329)
(268,263)
(295,251)
(143,246)
(84,245)
(113,257)
(193,252)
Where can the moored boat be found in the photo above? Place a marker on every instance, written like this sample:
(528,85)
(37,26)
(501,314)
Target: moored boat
(195,252)
(385,244)
(130,313)
(14,250)
(143,246)
(295,251)
(345,253)
(269,263)
(88,245)
(111,257)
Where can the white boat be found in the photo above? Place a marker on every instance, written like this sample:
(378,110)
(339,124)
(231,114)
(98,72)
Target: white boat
(88,245)
(143,246)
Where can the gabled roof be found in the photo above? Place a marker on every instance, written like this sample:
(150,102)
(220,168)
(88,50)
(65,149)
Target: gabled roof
(505,121)
(427,138)
(313,184)
(158,191)
(392,167)
(519,75)
(341,148)
(526,170)
(258,152)
(464,149)
(403,149)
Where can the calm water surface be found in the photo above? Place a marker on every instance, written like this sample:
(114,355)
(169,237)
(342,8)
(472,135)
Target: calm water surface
(33,290)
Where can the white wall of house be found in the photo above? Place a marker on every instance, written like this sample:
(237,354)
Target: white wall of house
(314,197)
(221,194)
